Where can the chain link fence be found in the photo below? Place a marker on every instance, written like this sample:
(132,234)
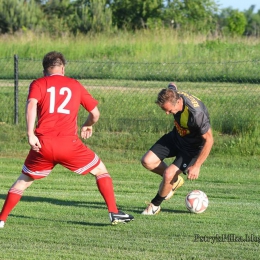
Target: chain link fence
(127,92)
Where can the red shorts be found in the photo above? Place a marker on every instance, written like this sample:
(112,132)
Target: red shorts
(68,151)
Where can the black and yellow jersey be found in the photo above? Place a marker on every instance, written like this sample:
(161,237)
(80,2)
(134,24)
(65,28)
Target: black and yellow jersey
(190,124)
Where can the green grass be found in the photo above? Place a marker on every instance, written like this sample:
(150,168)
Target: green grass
(233,107)
(164,45)
(64,216)
(131,120)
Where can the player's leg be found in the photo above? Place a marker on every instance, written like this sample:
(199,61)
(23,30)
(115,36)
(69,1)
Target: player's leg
(82,160)
(170,177)
(14,195)
(153,159)
(153,163)
(181,164)
(105,186)
(36,166)
(176,184)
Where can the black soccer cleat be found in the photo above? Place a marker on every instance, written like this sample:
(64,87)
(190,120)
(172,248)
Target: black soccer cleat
(120,217)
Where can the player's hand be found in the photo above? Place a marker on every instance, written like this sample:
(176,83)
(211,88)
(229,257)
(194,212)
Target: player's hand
(86,132)
(34,143)
(193,172)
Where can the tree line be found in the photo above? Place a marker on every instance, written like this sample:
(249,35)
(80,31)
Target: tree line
(94,16)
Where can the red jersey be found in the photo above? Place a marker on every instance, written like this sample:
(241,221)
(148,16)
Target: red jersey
(59,99)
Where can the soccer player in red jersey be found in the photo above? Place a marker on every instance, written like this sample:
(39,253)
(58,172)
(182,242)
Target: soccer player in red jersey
(55,100)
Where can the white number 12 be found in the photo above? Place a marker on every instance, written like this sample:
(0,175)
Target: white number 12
(61,108)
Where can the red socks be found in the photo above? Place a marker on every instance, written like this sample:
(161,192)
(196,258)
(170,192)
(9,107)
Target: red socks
(105,186)
(12,198)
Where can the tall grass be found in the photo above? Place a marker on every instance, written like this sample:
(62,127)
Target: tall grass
(233,107)
(153,46)
(131,121)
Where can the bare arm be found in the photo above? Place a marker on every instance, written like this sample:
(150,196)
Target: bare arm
(31,114)
(86,130)
(193,171)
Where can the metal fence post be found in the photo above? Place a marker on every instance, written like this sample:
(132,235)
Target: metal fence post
(16,89)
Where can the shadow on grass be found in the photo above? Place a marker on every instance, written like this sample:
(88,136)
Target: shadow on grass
(82,223)
(88,205)
(61,202)
(175,211)
(139,210)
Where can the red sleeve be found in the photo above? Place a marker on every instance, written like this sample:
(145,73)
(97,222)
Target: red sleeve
(87,101)
(34,91)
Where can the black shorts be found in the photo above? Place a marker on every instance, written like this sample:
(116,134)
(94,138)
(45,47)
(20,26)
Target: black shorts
(165,147)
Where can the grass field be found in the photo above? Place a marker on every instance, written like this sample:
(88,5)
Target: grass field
(64,216)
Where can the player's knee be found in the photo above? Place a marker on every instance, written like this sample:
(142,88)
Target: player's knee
(169,176)
(100,169)
(146,162)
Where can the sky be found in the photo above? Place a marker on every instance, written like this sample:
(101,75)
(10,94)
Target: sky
(241,5)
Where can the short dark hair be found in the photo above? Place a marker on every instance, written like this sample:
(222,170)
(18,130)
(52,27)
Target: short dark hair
(53,59)
(167,95)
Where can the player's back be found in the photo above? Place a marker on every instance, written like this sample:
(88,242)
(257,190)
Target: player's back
(59,98)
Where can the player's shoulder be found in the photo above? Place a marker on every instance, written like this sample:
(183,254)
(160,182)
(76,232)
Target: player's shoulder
(191,100)
(188,96)
(72,81)
(56,78)
(37,82)
(70,78)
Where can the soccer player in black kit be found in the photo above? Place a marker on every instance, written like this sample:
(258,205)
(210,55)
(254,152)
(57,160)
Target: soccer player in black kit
(189,142)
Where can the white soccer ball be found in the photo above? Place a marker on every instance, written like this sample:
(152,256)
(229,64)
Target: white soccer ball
(196,201)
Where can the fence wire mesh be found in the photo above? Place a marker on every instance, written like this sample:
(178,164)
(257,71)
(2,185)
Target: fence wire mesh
(127,91)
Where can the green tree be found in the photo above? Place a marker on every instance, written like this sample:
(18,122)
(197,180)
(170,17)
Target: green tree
(253,22)
(101,16)
(232,22)
(134,14)
(57,16)
(236,23)
(91,15)
(192,15)
(19,14)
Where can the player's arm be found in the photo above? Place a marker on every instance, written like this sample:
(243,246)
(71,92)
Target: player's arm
(86,130)
(31,114)
(193,171)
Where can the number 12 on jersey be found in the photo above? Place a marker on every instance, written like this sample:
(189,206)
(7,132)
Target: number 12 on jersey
(61,109)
